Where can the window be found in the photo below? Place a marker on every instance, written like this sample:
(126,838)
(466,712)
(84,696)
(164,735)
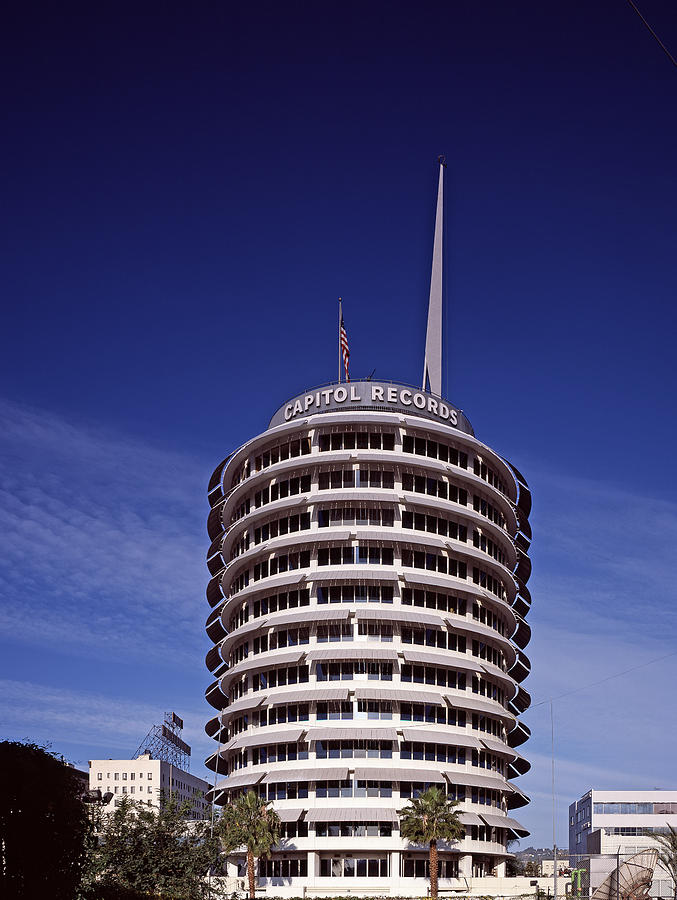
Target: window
(359,593)
(116,776)
(348,867)
(352,516)
(423,521)
(99,776)
(361,440)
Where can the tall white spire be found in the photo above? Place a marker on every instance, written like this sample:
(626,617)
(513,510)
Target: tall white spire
(432,363)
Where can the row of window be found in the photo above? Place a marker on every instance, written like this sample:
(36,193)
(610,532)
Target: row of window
(434,449)
(369,554)
(420,868)
(639,832)
(486,545)
(435,525)
(356,478)
(361,516)
(488,582)
(491,654)
(282,868)
(284,525)
(353,829)
(357,440)
(280,753)
(434,637)
(360,787)
(434,600)
(434,562)
(363,748)
(349,669)
(435,487)
(364,554)
(432,675)
(281,562)
(488,510)
(428,637)
(355,593)
(635,808)
(281,637)
(488,617)
(131,789)
(117,776)
(334,631)
(240,546)
(277,490)
(440,752)
(486,833)
(483,471)
(279,602)
(350,867)
(362,594)
(285,450)
(328,710)
(363,477)
(354,748)
(279,677)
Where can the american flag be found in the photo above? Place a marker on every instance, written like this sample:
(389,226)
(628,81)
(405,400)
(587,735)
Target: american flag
(345,350)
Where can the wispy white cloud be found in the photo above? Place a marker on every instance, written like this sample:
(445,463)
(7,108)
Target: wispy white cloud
(104,540)
(604,555)
(100,723)
(103,553)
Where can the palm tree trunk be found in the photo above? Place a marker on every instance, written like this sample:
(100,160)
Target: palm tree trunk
(433,869)
(252,875)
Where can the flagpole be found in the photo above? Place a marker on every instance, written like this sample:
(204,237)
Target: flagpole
(339,340)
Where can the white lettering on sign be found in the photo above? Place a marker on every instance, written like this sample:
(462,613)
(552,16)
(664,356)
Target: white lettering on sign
(332,398)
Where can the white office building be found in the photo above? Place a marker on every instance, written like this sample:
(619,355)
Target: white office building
(146,780)
(607,823)
(369,567)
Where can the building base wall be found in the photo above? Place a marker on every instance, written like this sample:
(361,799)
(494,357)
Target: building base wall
(393,887)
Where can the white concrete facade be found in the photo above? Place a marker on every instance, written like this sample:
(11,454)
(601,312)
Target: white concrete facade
(368,588)
(145,780)
(611,822)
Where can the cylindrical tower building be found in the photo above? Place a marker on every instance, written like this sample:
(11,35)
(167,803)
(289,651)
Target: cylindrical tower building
(369,567)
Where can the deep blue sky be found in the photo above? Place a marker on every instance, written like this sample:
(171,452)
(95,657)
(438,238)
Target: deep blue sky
(186,192)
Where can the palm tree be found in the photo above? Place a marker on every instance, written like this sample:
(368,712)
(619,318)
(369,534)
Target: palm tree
(430,818)
(667,852)
(249,822)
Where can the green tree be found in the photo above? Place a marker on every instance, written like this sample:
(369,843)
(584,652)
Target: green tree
(44,826)
(513,864)
(667,852)
(430,818)
(144,852)
(251,823)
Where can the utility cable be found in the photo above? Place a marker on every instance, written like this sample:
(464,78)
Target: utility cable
(654,35)
(602,680)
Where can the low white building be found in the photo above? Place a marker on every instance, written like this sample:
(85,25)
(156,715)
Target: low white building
(547,867)
(145,780)
(605,823)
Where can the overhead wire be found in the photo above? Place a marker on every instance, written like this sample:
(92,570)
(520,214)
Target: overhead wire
(590,684)
(654,35)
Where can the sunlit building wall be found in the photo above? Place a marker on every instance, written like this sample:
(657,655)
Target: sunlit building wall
(369,567)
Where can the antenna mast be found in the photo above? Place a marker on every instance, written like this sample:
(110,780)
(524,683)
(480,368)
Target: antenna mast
(432,363)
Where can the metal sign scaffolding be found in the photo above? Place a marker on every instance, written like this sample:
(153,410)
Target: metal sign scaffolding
(165,742)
